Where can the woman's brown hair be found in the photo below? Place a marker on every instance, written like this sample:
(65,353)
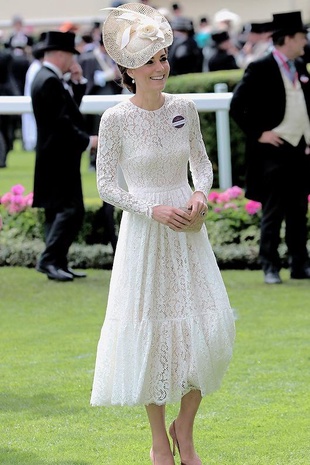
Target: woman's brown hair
(127,80)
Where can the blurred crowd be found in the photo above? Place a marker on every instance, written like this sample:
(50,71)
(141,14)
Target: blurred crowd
(220,42)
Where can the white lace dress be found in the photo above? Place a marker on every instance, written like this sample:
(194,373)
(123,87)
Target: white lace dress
(169,327)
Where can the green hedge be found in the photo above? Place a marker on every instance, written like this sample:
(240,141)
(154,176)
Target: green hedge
(233,233)
(235,241)
(204,83)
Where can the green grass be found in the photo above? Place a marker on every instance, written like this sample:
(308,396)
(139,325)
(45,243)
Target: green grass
(20,170)
(49,333)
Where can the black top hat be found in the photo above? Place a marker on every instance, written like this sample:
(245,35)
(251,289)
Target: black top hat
(38,48)
(38,51)
(220,36)
(260,28)
(286,24)
(56,40)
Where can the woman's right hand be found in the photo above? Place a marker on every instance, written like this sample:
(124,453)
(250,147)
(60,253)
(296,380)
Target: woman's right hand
(173,217)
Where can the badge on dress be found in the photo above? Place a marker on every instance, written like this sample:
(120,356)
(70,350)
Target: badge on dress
(178,121)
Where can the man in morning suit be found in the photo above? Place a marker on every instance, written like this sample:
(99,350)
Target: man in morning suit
(62,138)
(271,104)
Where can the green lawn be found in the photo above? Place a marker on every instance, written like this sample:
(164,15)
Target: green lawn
(49,333)
(20,170)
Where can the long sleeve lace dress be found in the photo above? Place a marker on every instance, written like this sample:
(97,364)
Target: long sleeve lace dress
(169,327)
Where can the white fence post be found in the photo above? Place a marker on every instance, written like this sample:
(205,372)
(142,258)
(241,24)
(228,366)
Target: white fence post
(223,142)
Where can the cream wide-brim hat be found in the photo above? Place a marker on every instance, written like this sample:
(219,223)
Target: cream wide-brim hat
(133,33)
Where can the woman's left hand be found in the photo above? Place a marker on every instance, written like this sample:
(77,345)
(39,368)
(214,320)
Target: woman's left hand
(198,205)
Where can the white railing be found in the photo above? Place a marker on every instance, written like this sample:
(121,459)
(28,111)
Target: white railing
(217,102)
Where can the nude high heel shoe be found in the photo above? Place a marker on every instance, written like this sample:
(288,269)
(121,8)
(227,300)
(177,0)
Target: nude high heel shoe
(175,443)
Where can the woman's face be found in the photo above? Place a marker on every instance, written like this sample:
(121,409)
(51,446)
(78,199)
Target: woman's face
(153,75)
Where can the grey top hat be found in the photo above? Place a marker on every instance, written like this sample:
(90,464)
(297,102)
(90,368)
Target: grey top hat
(181,23)
(56,40)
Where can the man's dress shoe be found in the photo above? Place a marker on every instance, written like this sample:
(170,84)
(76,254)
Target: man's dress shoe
(272,277)
(55,273)
(75,274)
(301,274)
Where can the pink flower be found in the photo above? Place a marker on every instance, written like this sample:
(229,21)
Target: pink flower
(14,201)
(234,192)
(253,207)
(13,208)
(218,209)
(223,197)
(212,197)
(28,199)
(230,205)
(18,189)
(6,198)
(17,199)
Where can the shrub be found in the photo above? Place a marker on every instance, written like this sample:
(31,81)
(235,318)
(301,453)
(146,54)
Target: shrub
(232,222)
(18,218)
(25,252)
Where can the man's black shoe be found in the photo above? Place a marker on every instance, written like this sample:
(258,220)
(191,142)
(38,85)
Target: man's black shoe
(54,273)
(75,274)
(272,277)
(301,274)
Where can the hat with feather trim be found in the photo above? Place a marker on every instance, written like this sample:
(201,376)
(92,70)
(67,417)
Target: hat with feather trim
(133,33)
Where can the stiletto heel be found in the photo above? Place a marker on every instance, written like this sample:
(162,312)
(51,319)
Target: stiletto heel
(175,443)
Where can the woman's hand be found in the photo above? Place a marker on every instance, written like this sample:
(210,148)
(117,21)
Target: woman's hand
(173,217)
(197,205)
(178,219)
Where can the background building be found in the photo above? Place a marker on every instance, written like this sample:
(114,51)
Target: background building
(40,14)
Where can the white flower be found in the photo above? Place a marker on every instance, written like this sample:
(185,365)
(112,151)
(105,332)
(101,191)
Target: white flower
(146,28)
(149,30)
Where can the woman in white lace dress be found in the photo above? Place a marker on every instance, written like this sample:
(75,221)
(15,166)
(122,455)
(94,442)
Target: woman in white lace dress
(169,330)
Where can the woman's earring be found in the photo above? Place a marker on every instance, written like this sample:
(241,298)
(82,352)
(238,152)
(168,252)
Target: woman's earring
(133,81)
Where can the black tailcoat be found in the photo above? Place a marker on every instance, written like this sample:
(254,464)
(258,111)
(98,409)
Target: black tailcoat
(258,105)
(62,138)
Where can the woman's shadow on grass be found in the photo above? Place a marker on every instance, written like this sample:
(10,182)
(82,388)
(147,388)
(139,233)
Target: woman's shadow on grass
(43,404)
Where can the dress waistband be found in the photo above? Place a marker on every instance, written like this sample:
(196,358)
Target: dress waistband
(155,189)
